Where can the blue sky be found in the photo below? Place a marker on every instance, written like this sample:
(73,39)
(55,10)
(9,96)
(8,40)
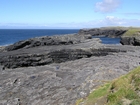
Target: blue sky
(73,14)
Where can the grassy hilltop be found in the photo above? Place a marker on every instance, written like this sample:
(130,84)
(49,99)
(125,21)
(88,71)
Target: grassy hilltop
(131,31)
(121,91)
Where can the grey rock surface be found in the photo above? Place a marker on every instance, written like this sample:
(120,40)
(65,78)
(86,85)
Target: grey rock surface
(81,67)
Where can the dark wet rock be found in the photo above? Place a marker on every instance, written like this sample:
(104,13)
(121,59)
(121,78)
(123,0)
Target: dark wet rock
(135,41)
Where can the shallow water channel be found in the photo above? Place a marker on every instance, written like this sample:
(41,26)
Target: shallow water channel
(108,40)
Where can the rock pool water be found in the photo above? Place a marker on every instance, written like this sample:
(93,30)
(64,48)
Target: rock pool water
(107,40)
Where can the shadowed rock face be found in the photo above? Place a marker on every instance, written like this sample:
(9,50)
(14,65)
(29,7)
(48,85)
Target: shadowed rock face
(135,41)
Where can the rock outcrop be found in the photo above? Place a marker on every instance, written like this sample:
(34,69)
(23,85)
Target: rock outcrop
(131,37)
(108,32)
(48,41)
(58,56)
(135,41)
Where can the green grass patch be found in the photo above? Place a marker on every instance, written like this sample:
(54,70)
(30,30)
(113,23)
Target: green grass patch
(132,32)
(101,91)
(124,87)
(131,94)
(136,102)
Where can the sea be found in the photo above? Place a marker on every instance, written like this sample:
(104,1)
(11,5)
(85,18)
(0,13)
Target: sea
(10,36)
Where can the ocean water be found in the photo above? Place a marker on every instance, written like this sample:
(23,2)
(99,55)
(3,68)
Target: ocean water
(10,36)
(108,40)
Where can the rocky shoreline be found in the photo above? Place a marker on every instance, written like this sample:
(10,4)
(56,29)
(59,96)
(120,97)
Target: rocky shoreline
(58,70)
(131,38)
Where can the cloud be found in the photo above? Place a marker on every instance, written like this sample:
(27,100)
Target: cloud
(22,26)
(111,20)
(116,21)
(107,6)
(105,22)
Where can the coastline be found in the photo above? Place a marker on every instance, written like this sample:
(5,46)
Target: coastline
(11,36)
(66,67)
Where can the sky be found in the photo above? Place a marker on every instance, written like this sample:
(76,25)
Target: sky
(68,14)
